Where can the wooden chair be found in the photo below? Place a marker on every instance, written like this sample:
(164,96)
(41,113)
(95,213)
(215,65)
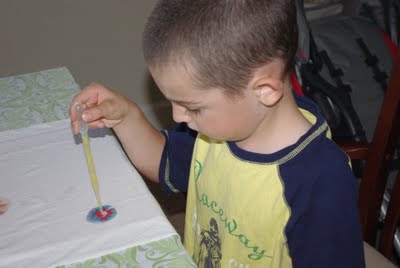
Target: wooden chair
(378,156)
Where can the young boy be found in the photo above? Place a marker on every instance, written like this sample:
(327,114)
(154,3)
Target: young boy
(265,186)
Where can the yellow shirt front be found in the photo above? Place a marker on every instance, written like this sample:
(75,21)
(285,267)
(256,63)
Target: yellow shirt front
(249,223)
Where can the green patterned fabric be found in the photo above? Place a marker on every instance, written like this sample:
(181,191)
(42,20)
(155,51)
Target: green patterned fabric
(35,98)
(166,253)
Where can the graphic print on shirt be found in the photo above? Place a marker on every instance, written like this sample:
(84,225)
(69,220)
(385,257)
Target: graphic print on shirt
(246,237)
(210,247)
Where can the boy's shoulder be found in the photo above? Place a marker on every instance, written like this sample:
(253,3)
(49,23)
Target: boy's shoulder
(321,148)
(316,157)
(321,163)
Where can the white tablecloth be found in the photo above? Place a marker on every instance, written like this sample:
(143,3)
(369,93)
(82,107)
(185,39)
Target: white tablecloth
(45,179)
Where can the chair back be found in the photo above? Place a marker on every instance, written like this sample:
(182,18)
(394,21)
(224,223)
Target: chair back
(379,157)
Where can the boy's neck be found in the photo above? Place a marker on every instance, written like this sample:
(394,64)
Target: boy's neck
(282,127)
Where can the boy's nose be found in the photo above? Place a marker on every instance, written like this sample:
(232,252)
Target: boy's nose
(179,114)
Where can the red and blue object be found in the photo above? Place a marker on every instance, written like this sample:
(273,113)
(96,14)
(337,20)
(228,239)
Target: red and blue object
(96,215)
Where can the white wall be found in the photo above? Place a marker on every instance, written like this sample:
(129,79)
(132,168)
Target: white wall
(97,40)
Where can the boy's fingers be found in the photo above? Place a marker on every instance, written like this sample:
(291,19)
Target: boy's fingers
(105,110)
(72,112)
(97,108)
(108,109)
(96,124)
(89,96)
(92,114)
(75,127)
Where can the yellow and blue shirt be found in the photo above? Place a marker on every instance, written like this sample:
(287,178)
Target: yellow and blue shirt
(294,208)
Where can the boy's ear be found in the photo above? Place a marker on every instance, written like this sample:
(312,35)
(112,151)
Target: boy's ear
(269,91)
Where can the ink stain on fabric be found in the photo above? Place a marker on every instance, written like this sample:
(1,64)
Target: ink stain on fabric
(96,215)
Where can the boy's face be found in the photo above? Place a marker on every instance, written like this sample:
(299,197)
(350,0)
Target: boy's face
(209,111)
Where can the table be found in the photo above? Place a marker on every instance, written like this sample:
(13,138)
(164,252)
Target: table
(45,179)
(35,98)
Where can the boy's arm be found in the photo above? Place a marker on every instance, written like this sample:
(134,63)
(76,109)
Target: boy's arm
(328,232)
(106,108)
(176,158)
(142,142)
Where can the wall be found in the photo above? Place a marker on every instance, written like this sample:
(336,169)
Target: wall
(97,40)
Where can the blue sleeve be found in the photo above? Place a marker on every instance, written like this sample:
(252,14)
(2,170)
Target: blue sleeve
(325,230)
(176,158)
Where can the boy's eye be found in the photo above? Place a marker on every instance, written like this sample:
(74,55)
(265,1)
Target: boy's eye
(192,112)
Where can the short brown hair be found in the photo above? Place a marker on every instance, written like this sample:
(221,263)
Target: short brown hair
(224,41)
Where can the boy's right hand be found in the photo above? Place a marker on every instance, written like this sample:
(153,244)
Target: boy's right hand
(106,108)
(103,107)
